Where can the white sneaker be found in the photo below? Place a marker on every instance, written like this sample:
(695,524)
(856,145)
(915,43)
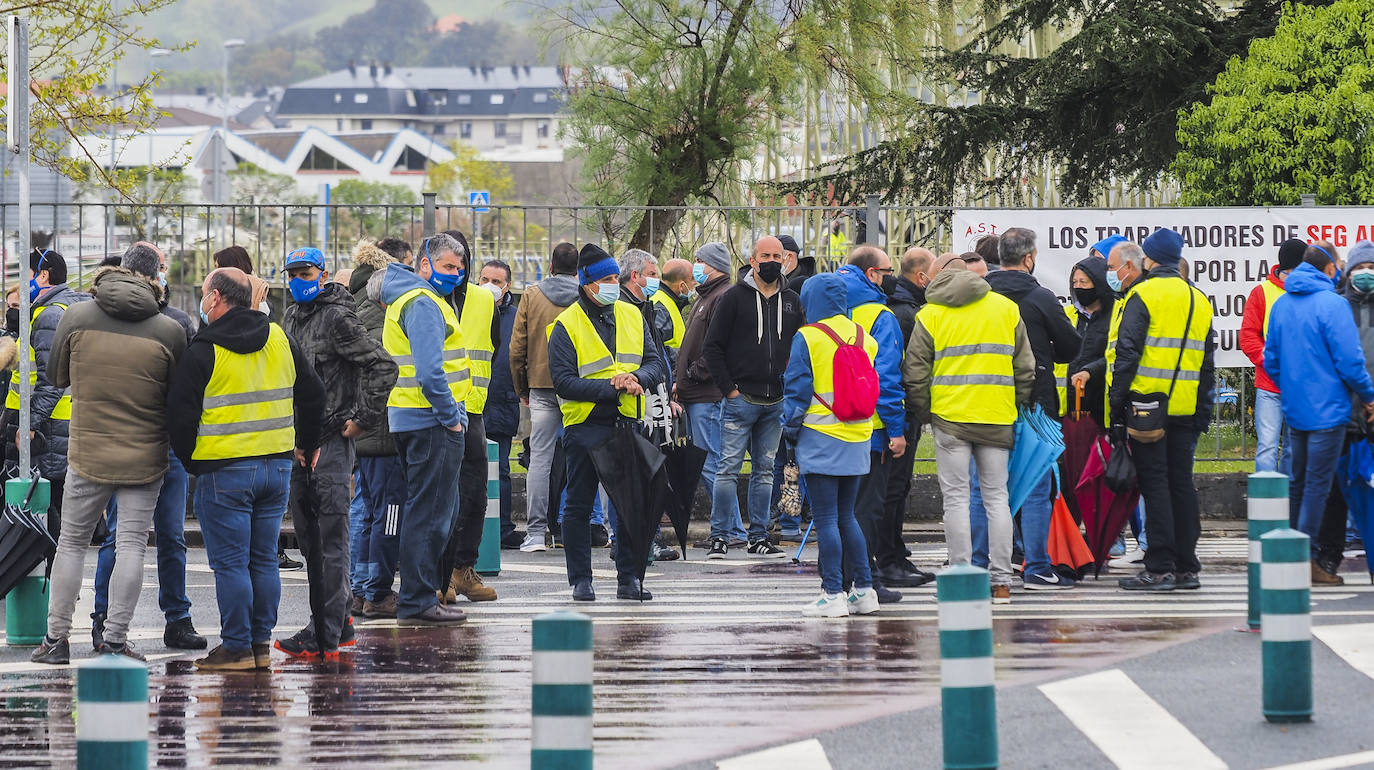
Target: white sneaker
(829,606)
(1127,560)
(533,544)
(863,602)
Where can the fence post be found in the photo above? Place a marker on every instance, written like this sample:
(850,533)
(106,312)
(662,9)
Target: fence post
(561,695)
(112,714)
(1286,632)
(26,605)
(1266,510)
(428,221)
(968,697)
(489,549)
(871,233)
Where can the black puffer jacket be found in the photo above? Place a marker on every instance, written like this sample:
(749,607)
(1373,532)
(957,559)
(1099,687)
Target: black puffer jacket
(904,303)
(502,414)
(375,441)
(1052,338)
(1092,357)
(50,447)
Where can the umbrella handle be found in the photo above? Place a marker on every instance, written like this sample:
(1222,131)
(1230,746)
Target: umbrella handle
(1078,397)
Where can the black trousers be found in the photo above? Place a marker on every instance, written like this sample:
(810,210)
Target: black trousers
(890,549)
(1331,534)
(466,536)
(319,501)
(1165,472)
(582,480)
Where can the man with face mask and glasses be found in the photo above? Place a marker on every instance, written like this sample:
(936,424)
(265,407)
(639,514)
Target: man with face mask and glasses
(502,416)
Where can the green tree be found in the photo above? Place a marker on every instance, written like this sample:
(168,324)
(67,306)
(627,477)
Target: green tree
(384,32)
(366,213)
(467,171)
(1290,118)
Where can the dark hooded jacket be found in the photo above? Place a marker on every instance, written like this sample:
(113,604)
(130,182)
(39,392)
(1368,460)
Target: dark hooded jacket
(904,303)
(50,455)
(1052,338)
(1093,329)
(691,375)
(806,267)
(502,415)
(376,441)
(750,338)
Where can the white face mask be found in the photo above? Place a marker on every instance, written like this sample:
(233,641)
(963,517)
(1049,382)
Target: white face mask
(496,291)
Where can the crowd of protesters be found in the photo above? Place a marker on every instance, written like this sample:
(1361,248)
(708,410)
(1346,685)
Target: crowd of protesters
(365,413)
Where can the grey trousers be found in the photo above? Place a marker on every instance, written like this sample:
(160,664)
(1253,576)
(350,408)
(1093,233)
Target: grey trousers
(952,466)
(82,507)
(545,422)
(319,501)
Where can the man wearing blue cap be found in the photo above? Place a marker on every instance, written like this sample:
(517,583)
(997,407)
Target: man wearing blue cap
(357,375)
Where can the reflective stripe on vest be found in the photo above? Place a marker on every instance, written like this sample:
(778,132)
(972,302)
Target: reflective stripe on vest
(1061,371)
(1113,329)
(1166,299)
(63,409)
(1271,293)
(822,350)
(866,316)
(679,328)
(407,394)
(595,362)
(972,379)
(248,409)
(479,307)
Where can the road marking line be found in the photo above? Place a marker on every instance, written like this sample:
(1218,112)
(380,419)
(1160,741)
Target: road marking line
(1331,763)
(804,755)
(558,569)
(1354,642)
(1119,718)
(24,665)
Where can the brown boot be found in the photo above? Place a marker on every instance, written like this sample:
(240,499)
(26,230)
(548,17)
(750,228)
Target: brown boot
(467,582)
(1320,577)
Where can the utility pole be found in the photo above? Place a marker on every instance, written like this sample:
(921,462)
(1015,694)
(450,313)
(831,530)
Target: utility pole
(17,139)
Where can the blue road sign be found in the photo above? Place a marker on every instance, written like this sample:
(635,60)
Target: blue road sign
(479,200)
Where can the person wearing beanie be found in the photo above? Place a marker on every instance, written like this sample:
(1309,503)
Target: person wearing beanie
(1254,325)
(601,358)
(1160,351)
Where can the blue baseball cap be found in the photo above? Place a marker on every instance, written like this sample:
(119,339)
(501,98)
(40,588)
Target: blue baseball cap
(307,255)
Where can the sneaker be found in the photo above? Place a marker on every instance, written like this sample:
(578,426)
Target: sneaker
(790,537)
(97,630)
(355,608)
(221,659)
(828,606)
(123,648)
(1051,581)
(54,652)
(1129,559)
(438,615)
(764,549)
(467,582)
(718,550)
(887,596)
(1118,548)
(300,645)
(1001,594)
(382,608)
(533,544)
(664,553)
(262,655)
(1187,581)
(348,637)
(1149,581)
(181,635)
(513,541)
(600,537)
(286,563)
(863,601)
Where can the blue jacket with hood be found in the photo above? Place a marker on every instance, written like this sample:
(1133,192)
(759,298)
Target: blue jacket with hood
(1313,352)
(887,331)
(823,295)
(424,326)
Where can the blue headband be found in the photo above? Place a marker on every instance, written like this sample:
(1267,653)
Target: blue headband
(1324,251)
(596,271)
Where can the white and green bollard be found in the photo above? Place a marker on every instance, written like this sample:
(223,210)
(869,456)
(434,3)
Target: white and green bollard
(112,714)
(489,550)
(1286,625)
(1266,511)
(561,698)
(26,605)
(968,697)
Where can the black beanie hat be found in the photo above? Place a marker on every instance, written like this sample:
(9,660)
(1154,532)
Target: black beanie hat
(1290,253)
(593,264)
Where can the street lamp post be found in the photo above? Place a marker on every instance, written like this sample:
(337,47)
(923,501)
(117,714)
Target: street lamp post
(156,53)
(220,192)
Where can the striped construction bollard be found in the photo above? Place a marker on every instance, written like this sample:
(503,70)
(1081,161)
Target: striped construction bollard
(1266,511)
(26,605)
(112,714)
(489,550)
(1286,625)
(967,696)
(561,698)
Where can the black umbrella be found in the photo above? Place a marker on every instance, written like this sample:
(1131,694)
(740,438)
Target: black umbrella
(683,463)
(24,543)
(632,472)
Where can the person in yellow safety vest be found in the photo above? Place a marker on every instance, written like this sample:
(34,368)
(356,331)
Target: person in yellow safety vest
(968,367)
(602,361)
(673,295)
(838,243)
(427,416)
(833,455)
(243,402)
(480,327)
(1162,342)
(1254,329)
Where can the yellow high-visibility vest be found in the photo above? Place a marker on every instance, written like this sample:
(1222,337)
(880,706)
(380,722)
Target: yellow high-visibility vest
(822,349)
(867,315)
(1271,293)
(679,328)
(1167,299)
(595,361)
(406,393)
(1061,371)
(479,307)
(63,409)
(1113,329)
(249,410)
(973,380)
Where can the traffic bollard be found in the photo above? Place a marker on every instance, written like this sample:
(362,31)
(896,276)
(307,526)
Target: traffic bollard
(26,605)
(561,695)
(1286,625)
(489,550)
(968,697)
(1266,511)
(112,714)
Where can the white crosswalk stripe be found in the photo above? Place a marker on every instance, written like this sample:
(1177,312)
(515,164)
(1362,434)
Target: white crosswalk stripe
(1354,642)
(803,755)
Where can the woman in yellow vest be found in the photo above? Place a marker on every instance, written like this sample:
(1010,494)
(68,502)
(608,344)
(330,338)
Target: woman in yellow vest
(833,455)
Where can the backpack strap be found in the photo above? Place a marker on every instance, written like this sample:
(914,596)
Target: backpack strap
(839,343)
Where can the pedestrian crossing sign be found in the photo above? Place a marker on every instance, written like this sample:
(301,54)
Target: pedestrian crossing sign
(479,200)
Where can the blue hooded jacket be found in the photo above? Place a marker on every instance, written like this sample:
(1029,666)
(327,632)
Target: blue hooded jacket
(1313,352)
(823,295)
(424,326)
(887,331)
(1105,246)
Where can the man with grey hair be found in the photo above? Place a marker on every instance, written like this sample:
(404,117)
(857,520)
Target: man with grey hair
(639,282)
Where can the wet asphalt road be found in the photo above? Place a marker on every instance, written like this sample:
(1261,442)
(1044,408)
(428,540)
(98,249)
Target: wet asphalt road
(718,665)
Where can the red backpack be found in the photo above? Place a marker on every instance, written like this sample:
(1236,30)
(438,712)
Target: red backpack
(854,381)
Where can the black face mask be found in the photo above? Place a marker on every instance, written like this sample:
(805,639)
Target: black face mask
(12,320)
(770,272)
(1085,297)
(889,284)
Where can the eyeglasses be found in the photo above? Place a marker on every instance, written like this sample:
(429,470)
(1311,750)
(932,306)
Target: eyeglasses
(885,269)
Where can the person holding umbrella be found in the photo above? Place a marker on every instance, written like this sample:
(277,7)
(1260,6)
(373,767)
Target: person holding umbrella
(601,358)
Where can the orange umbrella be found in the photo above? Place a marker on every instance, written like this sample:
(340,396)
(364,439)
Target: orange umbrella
(1067,549)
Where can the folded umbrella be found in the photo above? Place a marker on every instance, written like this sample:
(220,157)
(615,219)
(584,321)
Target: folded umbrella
(1068,553)
(1080,432)
(1104,512)
(25,543)
(683,462)
(1038,444)
(632,472)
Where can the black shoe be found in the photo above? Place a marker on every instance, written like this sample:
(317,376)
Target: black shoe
(582,592)
(512,541)
(664,553)
(764,549)
(347,636)
(900,578)
(885,596)
(600,537)
(53,652)
(286,563)
(1149,581)
(438,615)
(181,635)
(127,650)
(300,645)
(97,630)
(718,550)
(1187,581)
(632,589)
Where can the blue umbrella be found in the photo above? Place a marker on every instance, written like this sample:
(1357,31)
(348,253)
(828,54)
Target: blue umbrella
(1356,473)
(1038,444)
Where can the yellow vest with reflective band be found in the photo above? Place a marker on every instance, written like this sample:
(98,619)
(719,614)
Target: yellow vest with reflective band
(1061,371)
(973,380)
(478,309)
(249,410)
(866,316)
(406,394)
(595,362)
(822,350)
(63,409)
(1113,329)
(679,328)
(1271,293)
(1166,299)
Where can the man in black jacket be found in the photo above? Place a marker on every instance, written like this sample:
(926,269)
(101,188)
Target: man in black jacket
(1054,341)
(747,345)
(502,416)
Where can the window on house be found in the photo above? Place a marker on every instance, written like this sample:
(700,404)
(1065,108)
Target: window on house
(319,160)
(541,96)
(439,129)
(498,129)
(411,160)
(465,98)
(541,129)
(498,98)
(465,129)
(438,98)
(338,98)
(365,125)
(360,98)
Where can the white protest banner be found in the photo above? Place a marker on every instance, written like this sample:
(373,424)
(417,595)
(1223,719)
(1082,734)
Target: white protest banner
(1228,250)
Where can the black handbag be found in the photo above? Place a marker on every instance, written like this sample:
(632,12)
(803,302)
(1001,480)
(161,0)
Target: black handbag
(1120,472)
(1147,414)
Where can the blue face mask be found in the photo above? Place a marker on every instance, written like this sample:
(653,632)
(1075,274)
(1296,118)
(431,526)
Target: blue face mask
(34,289)
(303,290)
(699,273)
(1114,280)
(650,286)
(445,283)
(606,293)
(162,278)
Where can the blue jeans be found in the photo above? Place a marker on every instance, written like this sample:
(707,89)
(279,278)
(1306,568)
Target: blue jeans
(788,524)
(598,515)
(1137,522)
(1035,526)
(357,523)
(756,428)
(704,420)
(978,520)
(432,458)
(1315,453)
(838,536)
(382,485)
(1269,455)
(169,528)
(240,508)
